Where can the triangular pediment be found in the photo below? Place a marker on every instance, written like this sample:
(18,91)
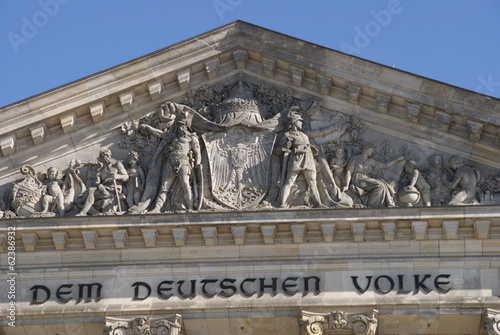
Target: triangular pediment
(345,103)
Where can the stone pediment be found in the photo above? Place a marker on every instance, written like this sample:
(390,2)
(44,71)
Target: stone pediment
(243,118)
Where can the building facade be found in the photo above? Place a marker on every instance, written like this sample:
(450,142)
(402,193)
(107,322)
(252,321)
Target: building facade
(247,182)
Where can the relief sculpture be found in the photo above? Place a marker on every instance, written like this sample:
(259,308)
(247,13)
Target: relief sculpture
(373,192)
(246,146)
(297,158)
(153,324)
(53,195)
(338,322)
(464,183)
(412,186)
(436,178)
(181,156)
(239,162)
(104,193)
(136,181)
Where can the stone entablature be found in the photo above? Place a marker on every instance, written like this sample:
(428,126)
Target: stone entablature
(444,226)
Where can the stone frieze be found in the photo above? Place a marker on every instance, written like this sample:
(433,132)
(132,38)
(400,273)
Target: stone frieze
(244,147)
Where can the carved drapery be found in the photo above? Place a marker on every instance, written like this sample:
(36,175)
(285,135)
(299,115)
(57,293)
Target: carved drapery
(490,323)
(153,324)
(338,322)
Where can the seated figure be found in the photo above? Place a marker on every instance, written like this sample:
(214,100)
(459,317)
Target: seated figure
(463,184)
(360,176)
(412,182)
(104,191)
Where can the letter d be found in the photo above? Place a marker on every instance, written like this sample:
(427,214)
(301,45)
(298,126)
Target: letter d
(34,300)
(28,30)
(360,39)
(383,17)
(50,7)
(137,286)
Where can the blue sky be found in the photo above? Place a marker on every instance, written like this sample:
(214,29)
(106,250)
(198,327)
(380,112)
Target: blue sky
(48,43)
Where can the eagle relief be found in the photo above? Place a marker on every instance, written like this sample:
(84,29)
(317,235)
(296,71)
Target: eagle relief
(246,146)
(239,165)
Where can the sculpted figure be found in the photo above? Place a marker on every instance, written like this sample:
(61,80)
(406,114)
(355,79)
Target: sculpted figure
(375,192)
(436,178)
(298,157)
(181,155)
(73,186)
(413,186)
(337,166)
(489,189)
(136,181)
(464,183)
(53,194)
(175,327)
(141,325)
(104,189)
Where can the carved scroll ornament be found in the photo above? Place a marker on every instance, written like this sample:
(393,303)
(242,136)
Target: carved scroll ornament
(156,325)
(338,322)
(491,322)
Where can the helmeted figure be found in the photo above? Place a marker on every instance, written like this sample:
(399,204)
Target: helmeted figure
(298,157)
(180,157)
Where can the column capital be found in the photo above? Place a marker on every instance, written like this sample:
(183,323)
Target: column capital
(490,324)
(151,324)
(338,322)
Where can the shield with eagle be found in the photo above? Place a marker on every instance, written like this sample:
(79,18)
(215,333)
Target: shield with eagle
(239,161)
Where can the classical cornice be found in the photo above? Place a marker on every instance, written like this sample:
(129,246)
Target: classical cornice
(435,232)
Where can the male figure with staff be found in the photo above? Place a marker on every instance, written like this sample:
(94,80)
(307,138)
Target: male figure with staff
(104,189)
